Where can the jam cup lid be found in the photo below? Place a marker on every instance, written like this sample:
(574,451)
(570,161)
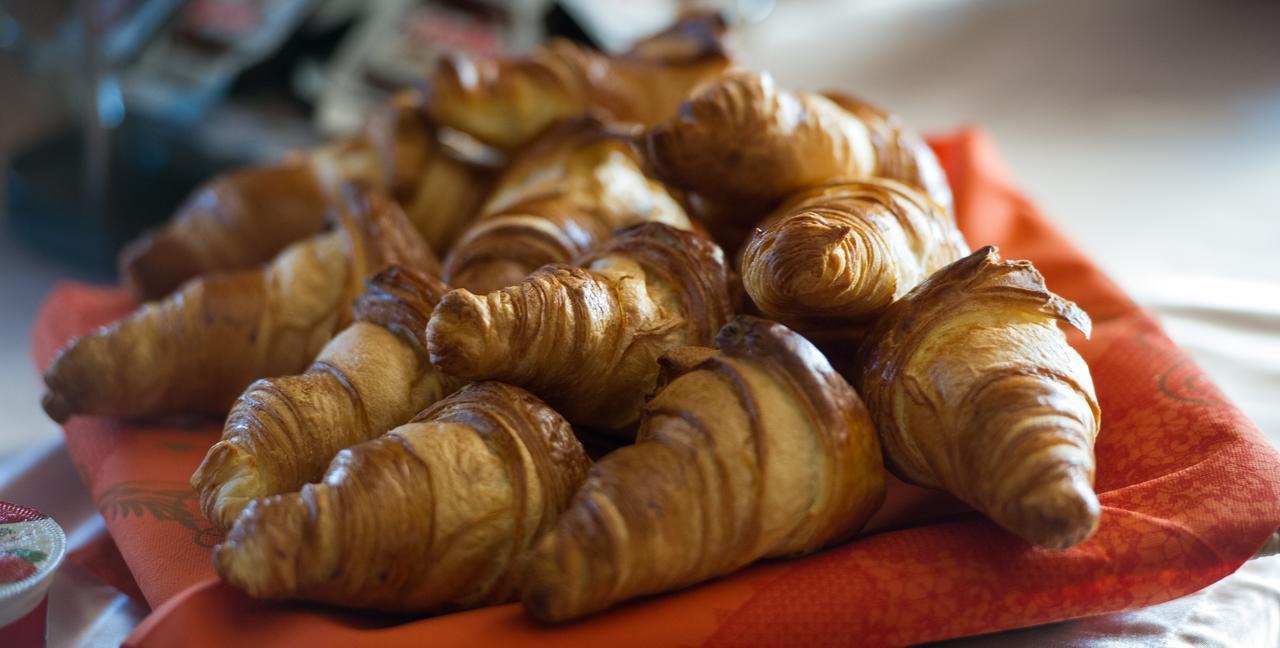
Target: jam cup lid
(32,546)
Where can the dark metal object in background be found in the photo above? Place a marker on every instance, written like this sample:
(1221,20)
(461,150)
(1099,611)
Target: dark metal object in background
(151,169)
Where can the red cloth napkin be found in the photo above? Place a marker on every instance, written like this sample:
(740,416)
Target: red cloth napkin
(1190,490)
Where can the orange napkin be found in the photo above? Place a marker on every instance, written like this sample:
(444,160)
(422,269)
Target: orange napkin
(1190,490)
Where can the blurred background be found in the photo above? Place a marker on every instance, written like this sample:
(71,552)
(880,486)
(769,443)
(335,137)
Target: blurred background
(1148,129)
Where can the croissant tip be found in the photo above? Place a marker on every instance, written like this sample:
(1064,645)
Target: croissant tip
(547,578)
(56,407)
(260,552)
(746,334)
(1060,514)
(226,482)
(455,330)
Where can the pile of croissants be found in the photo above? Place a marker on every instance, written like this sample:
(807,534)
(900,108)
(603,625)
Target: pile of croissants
(745,300)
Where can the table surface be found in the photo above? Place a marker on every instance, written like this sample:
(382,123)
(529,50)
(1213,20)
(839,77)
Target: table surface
(1149,130)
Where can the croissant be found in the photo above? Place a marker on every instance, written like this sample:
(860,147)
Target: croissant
(283,432)
(440,187)
(758,450)
(569,191)
(507,102)
(433,515)
(196,350)
(237,221)
(744,141)
(586,339)
(975,390)
(241,220)
(837,255)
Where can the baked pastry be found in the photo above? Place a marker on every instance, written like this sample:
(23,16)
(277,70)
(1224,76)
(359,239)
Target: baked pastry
(836,256)
(745,142)
(756,450)
(506,102)
(237,221)
(241,220)
(974,389)
(283,432)
(440,187)
(586,339)
(434,515)
(566,193)
(196,350)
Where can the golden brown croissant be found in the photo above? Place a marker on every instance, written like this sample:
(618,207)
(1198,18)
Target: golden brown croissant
(283,432)
(241,220)
(235,222)
(507,102)
(837,255)
(974,389)
(433,515)
(744,141)
(199,348)
(569,191)
(586,339)
(754,451)
(440,188)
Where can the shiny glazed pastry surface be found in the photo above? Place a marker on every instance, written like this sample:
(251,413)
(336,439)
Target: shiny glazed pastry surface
(837,255)
(283,431)
(974,389)
(439,187)
(564,194)
(757,449)
(197,349)
(745,142)
(506,102)
(234,222)
(586,339)
(434,515)
(242,219)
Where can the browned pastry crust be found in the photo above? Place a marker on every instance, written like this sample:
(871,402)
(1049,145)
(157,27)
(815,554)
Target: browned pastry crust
(661,71)
(834,257)
(974,389)
(440,188)
(744,141)
(506,102)
(235,222)
(757,450)
(433,515)
(586,339)
(283,432)
(241,220)
(401,141)
(567,192)
(196,350)
(901,154)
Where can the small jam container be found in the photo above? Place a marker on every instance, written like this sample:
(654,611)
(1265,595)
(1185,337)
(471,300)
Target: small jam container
(31,548)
